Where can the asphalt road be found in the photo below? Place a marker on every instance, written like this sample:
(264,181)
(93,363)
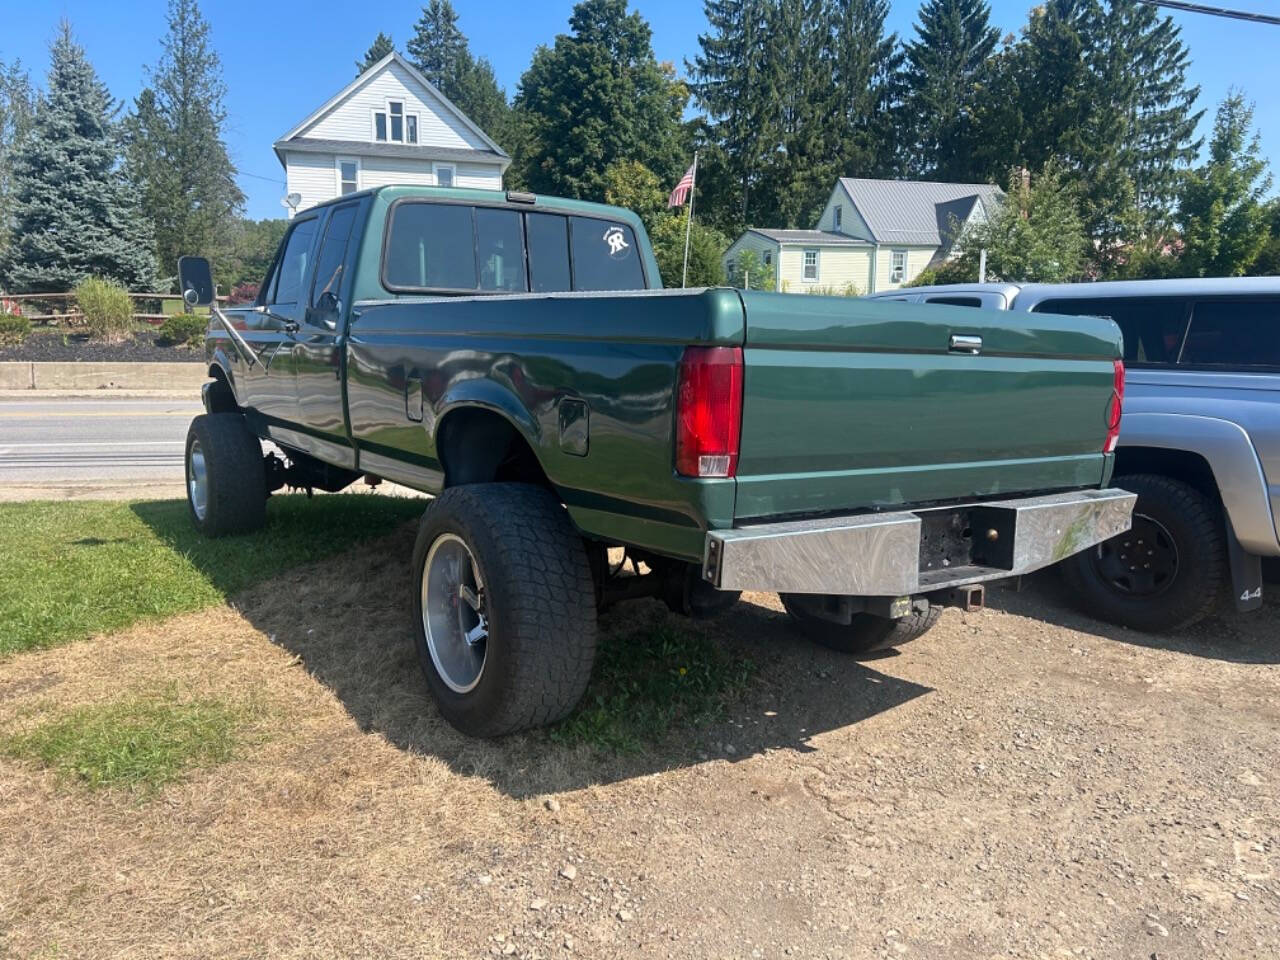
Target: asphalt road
(77,446)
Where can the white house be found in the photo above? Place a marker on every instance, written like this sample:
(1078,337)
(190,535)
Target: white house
(873,235)
(389,125)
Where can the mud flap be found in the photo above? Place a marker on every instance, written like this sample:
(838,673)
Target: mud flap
(1246,574)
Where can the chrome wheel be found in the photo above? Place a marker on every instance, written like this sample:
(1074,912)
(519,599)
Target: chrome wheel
(197,480)
(453,613)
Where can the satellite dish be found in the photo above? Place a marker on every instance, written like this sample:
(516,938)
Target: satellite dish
(292,201)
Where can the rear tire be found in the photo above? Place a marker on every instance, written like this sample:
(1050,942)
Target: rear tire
(866,632)
(1167,572)
(509,635)
(226,480)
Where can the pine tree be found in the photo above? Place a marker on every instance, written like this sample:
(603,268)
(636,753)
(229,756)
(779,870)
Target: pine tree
(438,47)
(946,65)
(1224,219)
(17,111)
(729,84)
(439,50)
(802,163)
(867,67)
(175,153)
(596,97)
(73,216)
(381,46)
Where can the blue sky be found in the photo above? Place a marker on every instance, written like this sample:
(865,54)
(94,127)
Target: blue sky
(283,58)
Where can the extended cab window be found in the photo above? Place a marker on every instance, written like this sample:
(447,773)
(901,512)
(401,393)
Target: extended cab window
(1234,333)
(294,262)
(1152,326)
(605,256)
(431,247)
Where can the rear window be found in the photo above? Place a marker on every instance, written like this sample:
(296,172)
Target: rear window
(605,256)
(1153,327)
(1234,333)
(500,250)
(548,252)
(956,301)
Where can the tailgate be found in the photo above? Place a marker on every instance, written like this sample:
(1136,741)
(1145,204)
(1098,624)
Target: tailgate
(851,404)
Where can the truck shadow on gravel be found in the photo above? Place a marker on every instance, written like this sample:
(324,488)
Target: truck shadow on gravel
(1226,635)
(762,687)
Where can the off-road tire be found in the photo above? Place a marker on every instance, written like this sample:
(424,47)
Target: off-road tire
(866,632)
(236,499)
(1194,525)
(540,604)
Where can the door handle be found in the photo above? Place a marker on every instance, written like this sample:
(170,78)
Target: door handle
(965,343)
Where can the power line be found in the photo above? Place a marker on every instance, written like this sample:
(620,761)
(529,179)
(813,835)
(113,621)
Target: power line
(1214,11)
(241,173)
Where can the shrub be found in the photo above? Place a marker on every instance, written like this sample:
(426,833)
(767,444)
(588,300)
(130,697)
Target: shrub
(850,289)
(107,309)
(183,330)
(243,293)
(13,329)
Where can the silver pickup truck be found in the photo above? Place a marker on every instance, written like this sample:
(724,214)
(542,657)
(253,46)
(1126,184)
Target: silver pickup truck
(1199,444)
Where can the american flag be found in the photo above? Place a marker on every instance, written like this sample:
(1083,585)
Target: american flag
(681,193)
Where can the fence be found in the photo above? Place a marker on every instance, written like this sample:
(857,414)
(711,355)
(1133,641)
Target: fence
(55,309)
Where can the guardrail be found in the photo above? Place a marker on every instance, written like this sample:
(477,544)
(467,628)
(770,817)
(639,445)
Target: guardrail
(55,309)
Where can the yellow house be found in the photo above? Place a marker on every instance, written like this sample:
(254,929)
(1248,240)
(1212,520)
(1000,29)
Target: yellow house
(873,235)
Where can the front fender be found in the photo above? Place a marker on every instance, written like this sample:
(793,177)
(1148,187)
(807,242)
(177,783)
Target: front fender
(1227,449)
(223,363)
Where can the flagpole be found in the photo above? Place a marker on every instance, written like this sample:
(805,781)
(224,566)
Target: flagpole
(688,227)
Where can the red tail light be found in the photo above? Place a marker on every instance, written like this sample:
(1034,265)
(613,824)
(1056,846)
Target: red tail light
(1114,408)
(709,411)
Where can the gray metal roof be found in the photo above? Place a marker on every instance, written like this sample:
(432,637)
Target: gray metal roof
(421,151)
(812,237)
(916,211)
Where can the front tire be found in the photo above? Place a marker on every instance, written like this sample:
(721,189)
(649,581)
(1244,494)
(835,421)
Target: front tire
(865,633)
(226,481)
(504,608)
(1166,572)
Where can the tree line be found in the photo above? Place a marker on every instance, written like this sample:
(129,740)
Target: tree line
(1086,115)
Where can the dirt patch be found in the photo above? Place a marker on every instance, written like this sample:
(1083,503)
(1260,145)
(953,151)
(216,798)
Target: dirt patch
(1005,787)
(61,345)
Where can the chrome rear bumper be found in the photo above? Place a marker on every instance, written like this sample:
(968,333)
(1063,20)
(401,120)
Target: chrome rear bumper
(909,552)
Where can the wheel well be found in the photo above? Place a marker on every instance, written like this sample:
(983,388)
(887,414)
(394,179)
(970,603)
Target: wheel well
(222,398)
(480,446)
(1191,468)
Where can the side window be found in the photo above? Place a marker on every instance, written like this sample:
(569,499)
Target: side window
(333,253)
(810,265)
(1152,326)
(1234,333)
(548,235)
(956,301)
(605,256)
(430,246)
(500,250)
(294,262)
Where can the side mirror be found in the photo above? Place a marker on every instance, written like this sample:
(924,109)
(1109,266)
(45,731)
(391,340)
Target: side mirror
(195,280)
(329,308)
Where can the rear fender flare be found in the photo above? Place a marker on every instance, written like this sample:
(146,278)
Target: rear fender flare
(1227,449)
(493,398)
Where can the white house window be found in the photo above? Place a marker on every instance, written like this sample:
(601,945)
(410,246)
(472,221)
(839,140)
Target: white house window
(811,264)
(898,269)
(393,125)
(839,216)
(444,174)
(348,175)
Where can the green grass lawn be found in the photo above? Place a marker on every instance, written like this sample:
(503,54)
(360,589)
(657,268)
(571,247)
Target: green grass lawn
(141,742)
(69,570)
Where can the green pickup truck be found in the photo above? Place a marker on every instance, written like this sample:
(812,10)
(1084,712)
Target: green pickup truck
(517,357)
